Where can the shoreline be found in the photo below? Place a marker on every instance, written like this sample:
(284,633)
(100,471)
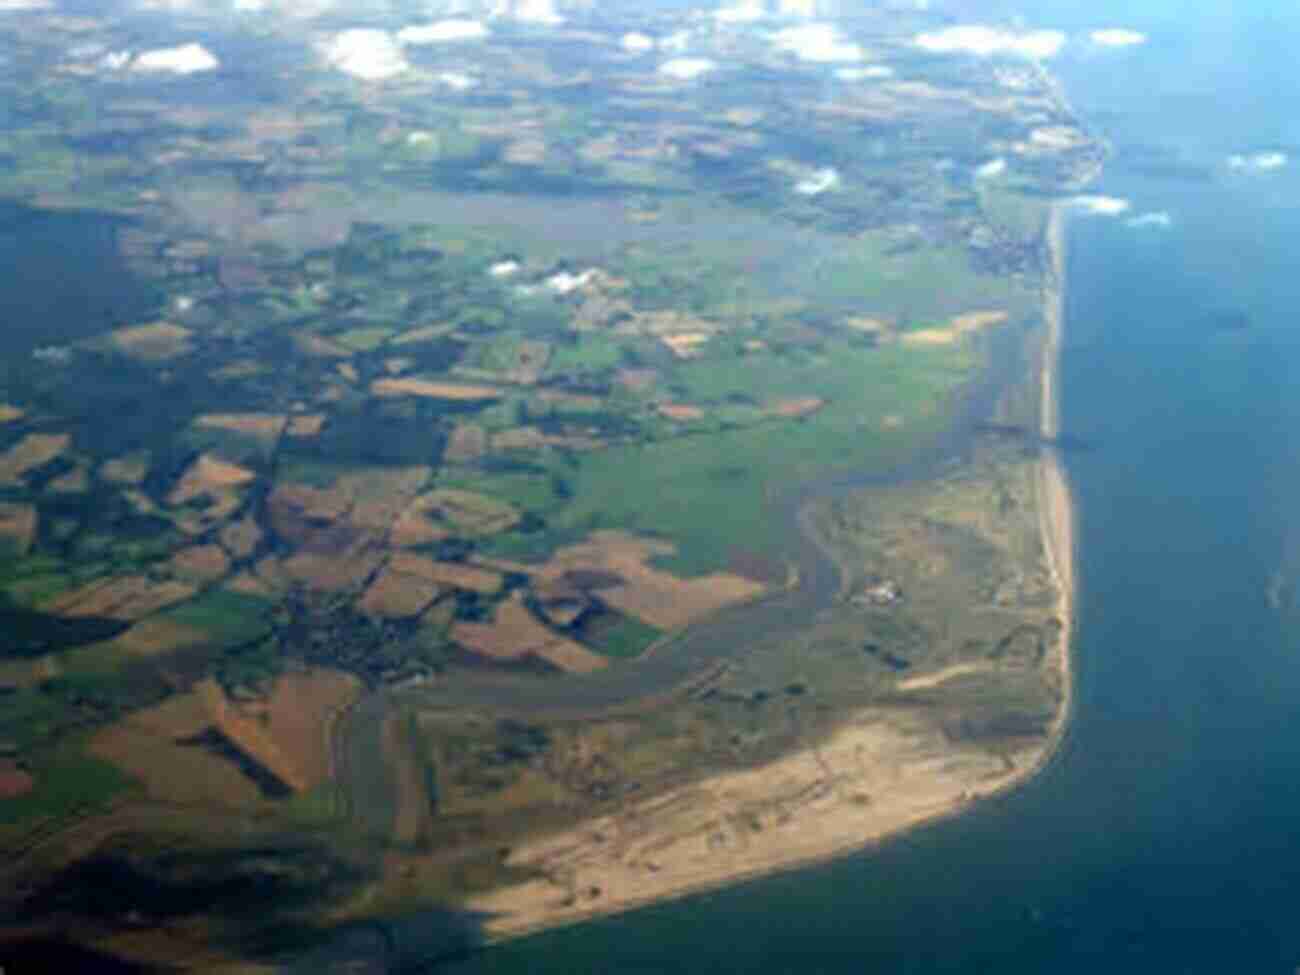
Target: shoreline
(619,862)
(1056,503)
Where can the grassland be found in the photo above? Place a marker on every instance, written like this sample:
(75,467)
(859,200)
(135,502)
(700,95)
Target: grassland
(69,784)
(619,636)
(709,493)
(915,281)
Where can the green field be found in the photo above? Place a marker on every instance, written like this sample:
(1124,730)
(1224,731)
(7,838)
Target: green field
(916,284)
(707,493)
(68,782)
(619,636)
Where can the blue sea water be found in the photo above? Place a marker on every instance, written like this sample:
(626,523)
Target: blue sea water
(1166,835)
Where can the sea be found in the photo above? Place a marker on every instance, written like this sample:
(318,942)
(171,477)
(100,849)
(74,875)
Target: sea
(1165,835)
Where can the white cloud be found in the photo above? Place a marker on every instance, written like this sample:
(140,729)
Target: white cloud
(1117,37)
(867,73)
(636,43)
(797,8)
(442,31)
(816,42)
(991,169)
(1100,206)
(537,12)
(1259,161)
(503,269)
(1056,137)
(1160,218)
(458,81)
(676,42)
(250,6)
(684,69)
(185,59)
(818,182)
(742,12)
(371,55)
(563,283)
(981,40)
(25,5)
(115,60)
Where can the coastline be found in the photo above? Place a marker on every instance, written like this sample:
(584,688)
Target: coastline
(819,803)
(1056,504)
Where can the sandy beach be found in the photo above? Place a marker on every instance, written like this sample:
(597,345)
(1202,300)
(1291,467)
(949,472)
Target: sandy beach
(879,774)
(876,776)
(1056,507)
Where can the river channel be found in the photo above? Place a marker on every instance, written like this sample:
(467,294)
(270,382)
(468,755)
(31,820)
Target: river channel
(696,651)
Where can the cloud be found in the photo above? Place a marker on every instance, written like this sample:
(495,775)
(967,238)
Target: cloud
(185,59)
(983,41)
(1160,218)
(457,81)
(372,55)
(1259,162)
(866,73)
(818,182)
(677,42)
(636,43)
(816,42)
(174,6)
(115,60)
(564,283)
(1117,37)
(797,8)
(442,31)
(25,5)
(684,69)
(743,12)
(1100,206)
(537,12)
(991,169)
